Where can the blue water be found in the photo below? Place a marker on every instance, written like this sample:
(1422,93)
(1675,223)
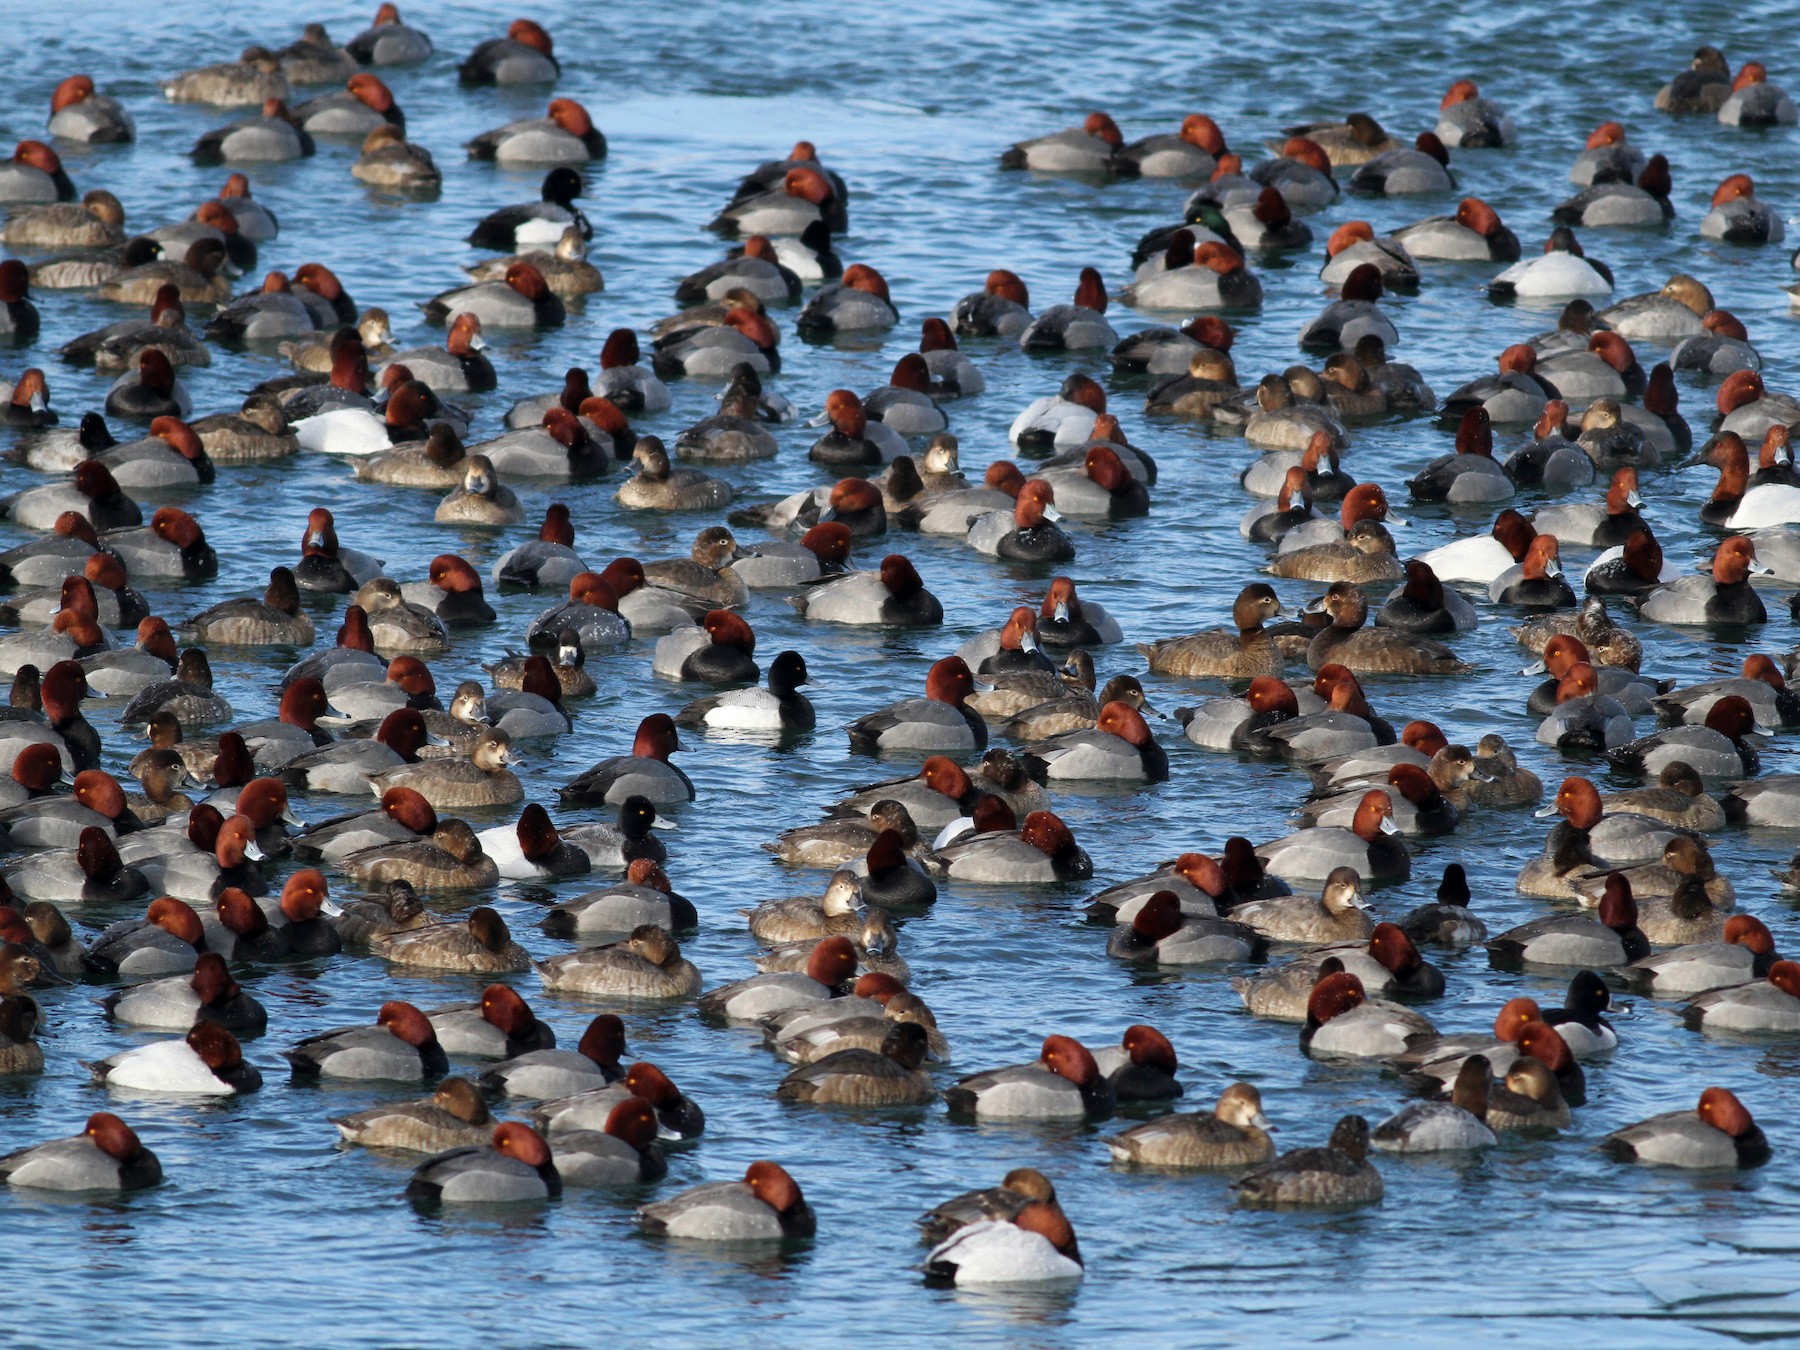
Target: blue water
(266,1232)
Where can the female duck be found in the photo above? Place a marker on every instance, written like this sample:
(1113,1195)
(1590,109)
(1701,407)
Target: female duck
(657,487)
(482,944)
(1345,642)
(455,1116)
(483,779)
(1337,1176)
(1247,653)
(1233,1134)
(1457,1125)
(275,620)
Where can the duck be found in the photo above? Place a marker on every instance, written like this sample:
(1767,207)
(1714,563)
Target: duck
(828,972)
(766,1206)
(1342,1023)
(1248,652)
(1119,748)
(526,55)
(547,562)
(939,721)
(857,303)
(483,943)
(271,138)
(1754,102)
(503,1027)
(1622,202)
(1611,939)
(106,1156)
(645,772)
(254,76)
(1235,1133)
(890,1076)
(1036,1246)
(1337,1176)
(1095,147)
(1158,930)
(789,200)
(516,1167)
(532,849)
(388,160)
(1770,1003)
(454,1116)
(1475,233)
(1555,459)
(1718,1133)
(1018,1188)
(389,41)
(1027,533)
(1078,326)
(892,596)
(1345,642)
(564,135)
(1735,504)
(1738,217)
(854,439)
(677,1119)
(1042,851)
(483,779)
(207,1062)
(755,266)
(1471,474)
(658,487)
(1722,596)
(1063,1083)
(1469,121)
(522,300)
(779,707)
(1716,748)
(1001,308)
(1435,1126)
(93,872)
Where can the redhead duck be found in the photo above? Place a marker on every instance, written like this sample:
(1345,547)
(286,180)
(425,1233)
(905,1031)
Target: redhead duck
(1723,596)
(92,872)
(1555,459)
(755,267)
(1459,1124)
(458,366)
(939,721)
(534,708)
(455,1116)
(952,374)
(1095,147)
(1715,749)
(1188,276)
(499,1026)
(940,793)
(94,494)
(893,596)
(780,707)
(1607,369)
(79,113)
(516,1167)
(1622,202)
(905,404)
(1771,1003)
(1475,233)
(1101,486)
(658,487)
(1421,805)
(1471,474)
(1702,88)
(563,265)
(1342,1023)
(766,1206)
(1607,157)
(1027,533)
(549,561)
(1371,846)
(1355,244)
(364,104)
(1754,102)
(1300,172)
(1584,718)
(1562,269)
(1118,748)
(1613,939)
(1063,1083)
(483,943)
(809,1033)
(1078,326)
(326,566)
(1514,396)
(624,1151)
(172,455)
(702,347)
(173,545)
(1043,851)
(854,438)
(34,174)
(1345,642)
(891,1076)
(483,779)
(1337,1176)
(388,41)
(1593,525)
(564,135)
(1036,1246)
(106,1156)
(404,816)
(1422,605)
(1469,121)
(1724,349)
(1061,420)
(677,1118)
(645,772)
(829,969)
(272,138)
(522,300)
(1538,582)
(208,1062)
(526,55)
(1001,308)
(591,611)
(1158,930)
(787,199)
(1401,171)
(1718,1133)
(857,303)
(1347,320)
(163,942)
(1286,412)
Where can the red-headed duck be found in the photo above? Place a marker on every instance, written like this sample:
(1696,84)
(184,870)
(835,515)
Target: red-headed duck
(1754,102)
(389,41)
(1001,308)
(893,596)
(207,1062)
(516,1167)
(1036,1246)
(1078,326)
(1474,234)
(766,1206)
(1095,147)
(1718,1133)
(526,55)
(1721,596)
(522,300)
(1063,1083)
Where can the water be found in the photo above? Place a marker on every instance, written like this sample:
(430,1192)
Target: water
(266,1232)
